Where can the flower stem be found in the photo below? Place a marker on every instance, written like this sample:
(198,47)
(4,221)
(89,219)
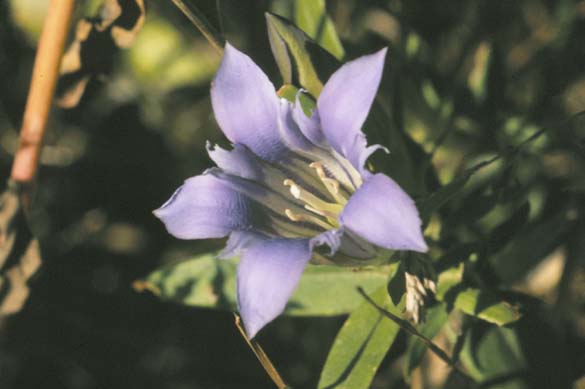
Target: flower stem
(262,357)
(202,24)
(42,86)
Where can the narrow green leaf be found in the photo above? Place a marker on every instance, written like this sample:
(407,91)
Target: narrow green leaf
(331,290)
(280,52)
(493,356)
(360,346)
(192,12)
(473,206)
(313,64)
(311,17)
(436,317)
(504,233)
(454,256)
(478,76)
(400,163)
(397,284)
(486,306)
(290,93)
(530,246)
(472,301)
(205,281)
(438,198)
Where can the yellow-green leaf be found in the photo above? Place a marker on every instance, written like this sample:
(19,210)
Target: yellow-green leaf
(483,304)
(311,17)
(360,346)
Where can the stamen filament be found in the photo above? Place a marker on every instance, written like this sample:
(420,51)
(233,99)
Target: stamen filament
(295,217)
(312,200)
(331,218)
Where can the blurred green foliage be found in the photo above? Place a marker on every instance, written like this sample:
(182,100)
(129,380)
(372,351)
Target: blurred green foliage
(466,82)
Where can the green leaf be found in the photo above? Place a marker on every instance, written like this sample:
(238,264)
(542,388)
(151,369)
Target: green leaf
(312,63)
(311,17)
(454,256)
(472,301)
(477,79)
(280,51)
(505,232)
(493,356)
(290,93)
(205,281)
(529,246)
(360,346)
(436,317)
(486,306)
(437,199)
(397,283)
(473,206)
(406,162)
(331,290)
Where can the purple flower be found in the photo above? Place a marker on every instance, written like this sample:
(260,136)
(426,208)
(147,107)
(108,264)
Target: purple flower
(294,188)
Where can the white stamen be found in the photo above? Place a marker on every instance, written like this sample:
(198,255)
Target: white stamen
(331,217)
(331,184)
(313,201)
(295,217)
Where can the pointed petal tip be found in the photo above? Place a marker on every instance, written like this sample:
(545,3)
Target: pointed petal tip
(381,212)
(346,100)
(230,50)
(230,54)
(252,328)
(375,61)
(160,211)
(379,57)
(419,245)
(382,52)
(245,104)
(204,207)
(268,273)
(413,239)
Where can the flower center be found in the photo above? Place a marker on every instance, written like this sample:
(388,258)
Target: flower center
(323,213)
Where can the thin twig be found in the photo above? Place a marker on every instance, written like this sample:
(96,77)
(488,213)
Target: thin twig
(42,87)
(202,24)
(511,151)
(405,325)
(262,357)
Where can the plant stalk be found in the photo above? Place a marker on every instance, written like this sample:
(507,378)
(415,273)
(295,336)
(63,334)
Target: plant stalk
(42,87)
(196,17)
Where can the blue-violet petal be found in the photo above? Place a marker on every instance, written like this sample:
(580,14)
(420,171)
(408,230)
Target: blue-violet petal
(383,214)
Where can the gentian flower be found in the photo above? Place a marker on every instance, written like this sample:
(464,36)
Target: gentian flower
(294,188)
